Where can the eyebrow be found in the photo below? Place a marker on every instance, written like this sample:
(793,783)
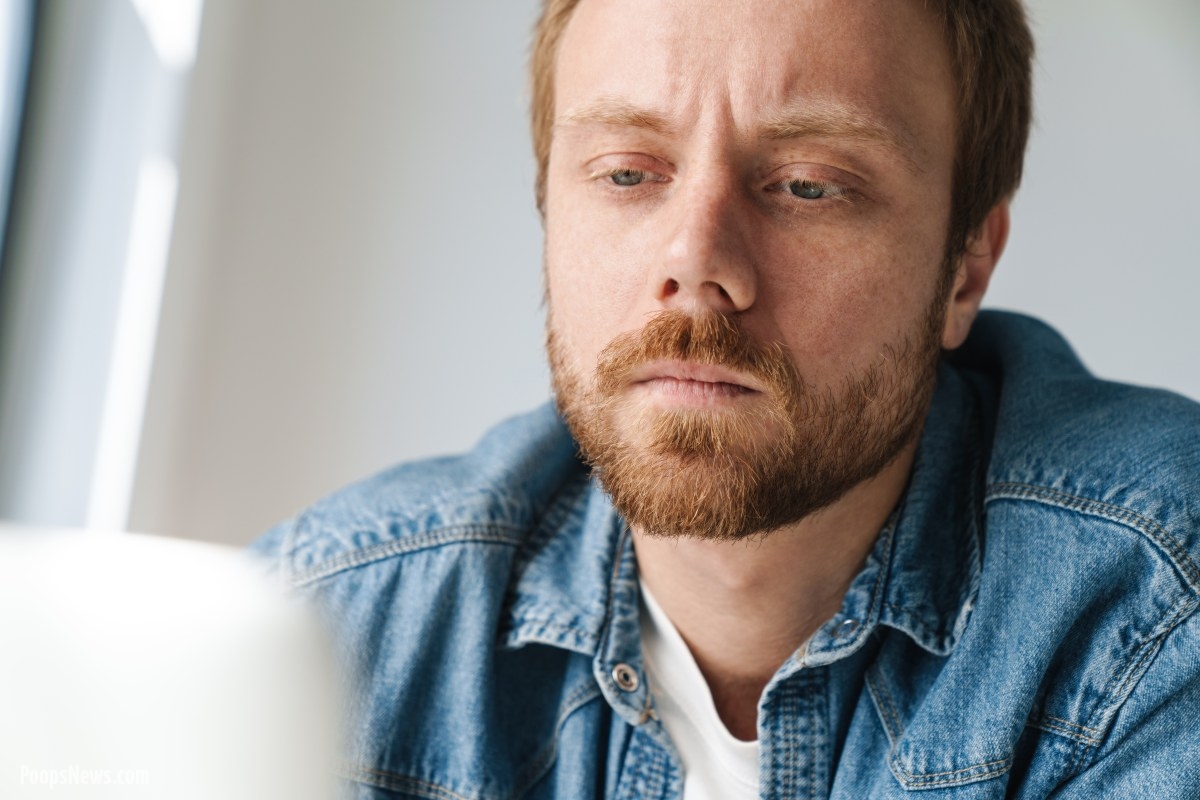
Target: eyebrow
(808,120)
(822,120)
(617,113)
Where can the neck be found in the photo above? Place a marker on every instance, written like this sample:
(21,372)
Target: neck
(745,607)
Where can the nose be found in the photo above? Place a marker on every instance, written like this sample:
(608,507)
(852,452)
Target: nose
(707,264)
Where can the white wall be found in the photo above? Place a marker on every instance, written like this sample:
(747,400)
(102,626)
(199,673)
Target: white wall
(355,274)
(356,269)
(1104,231)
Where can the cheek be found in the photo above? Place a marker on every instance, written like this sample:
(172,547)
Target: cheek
(581,290)
(838,297)
(594,274)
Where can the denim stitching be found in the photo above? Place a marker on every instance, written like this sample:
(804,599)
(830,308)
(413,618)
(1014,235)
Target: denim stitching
(1120,682)
(787,739)
(404,783)
(546,626)
(550,525)
(606,627)
(460,534)
(948,639)
(1149,648)
(814,727)
(1078,756)
(647,773)
(1072,725)
(884,703)
(1122,677)
(541,764)
(1124,516)
(791,722)
(1064,728)
(885,568)
(427,789)
(958,776)
(1145,653)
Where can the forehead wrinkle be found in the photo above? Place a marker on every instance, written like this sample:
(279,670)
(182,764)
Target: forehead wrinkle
(825,120)
(612,112)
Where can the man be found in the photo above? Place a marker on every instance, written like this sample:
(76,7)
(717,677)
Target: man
(810,556)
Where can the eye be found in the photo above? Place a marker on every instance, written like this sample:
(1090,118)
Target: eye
(627,177)
(807,190)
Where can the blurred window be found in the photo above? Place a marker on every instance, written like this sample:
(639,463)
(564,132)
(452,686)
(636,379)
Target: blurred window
(16,39)
(86,243)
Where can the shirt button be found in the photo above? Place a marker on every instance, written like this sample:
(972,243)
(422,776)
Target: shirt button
(847,628)
(626,678)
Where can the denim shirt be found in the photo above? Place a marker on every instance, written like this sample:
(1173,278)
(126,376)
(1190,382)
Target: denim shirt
(1024,627)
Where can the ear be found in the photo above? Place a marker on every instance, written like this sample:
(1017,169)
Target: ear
(973,273)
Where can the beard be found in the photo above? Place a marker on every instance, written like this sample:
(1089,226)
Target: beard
(734,472)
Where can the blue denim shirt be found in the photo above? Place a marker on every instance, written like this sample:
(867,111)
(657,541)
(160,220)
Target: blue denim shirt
(1024,627)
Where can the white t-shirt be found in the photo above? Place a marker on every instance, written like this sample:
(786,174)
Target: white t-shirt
(716,765)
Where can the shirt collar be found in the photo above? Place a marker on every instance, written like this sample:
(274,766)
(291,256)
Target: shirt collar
(565,575)
(938,541)
(920,578)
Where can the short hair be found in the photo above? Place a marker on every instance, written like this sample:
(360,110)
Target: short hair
(991,49)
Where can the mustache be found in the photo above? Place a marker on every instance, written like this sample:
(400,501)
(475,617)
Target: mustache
(709,338)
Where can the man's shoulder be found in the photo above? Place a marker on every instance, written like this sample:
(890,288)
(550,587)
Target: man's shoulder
(435,577)
(1078,634)
(1065,437)
(495,493)
(1092,539)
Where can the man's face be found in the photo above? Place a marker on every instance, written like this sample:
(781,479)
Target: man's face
(747,206)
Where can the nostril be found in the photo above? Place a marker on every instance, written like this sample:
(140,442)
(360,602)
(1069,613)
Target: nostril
(703,293)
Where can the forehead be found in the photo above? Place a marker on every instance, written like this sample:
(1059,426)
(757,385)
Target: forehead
(745,61)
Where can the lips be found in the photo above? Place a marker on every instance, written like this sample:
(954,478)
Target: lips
(691,358)
(691,372)
(690,382)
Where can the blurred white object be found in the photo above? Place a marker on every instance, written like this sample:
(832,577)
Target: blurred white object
(135,666)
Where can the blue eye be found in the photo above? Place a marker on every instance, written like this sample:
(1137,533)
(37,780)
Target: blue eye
(806,190)
(627,177)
